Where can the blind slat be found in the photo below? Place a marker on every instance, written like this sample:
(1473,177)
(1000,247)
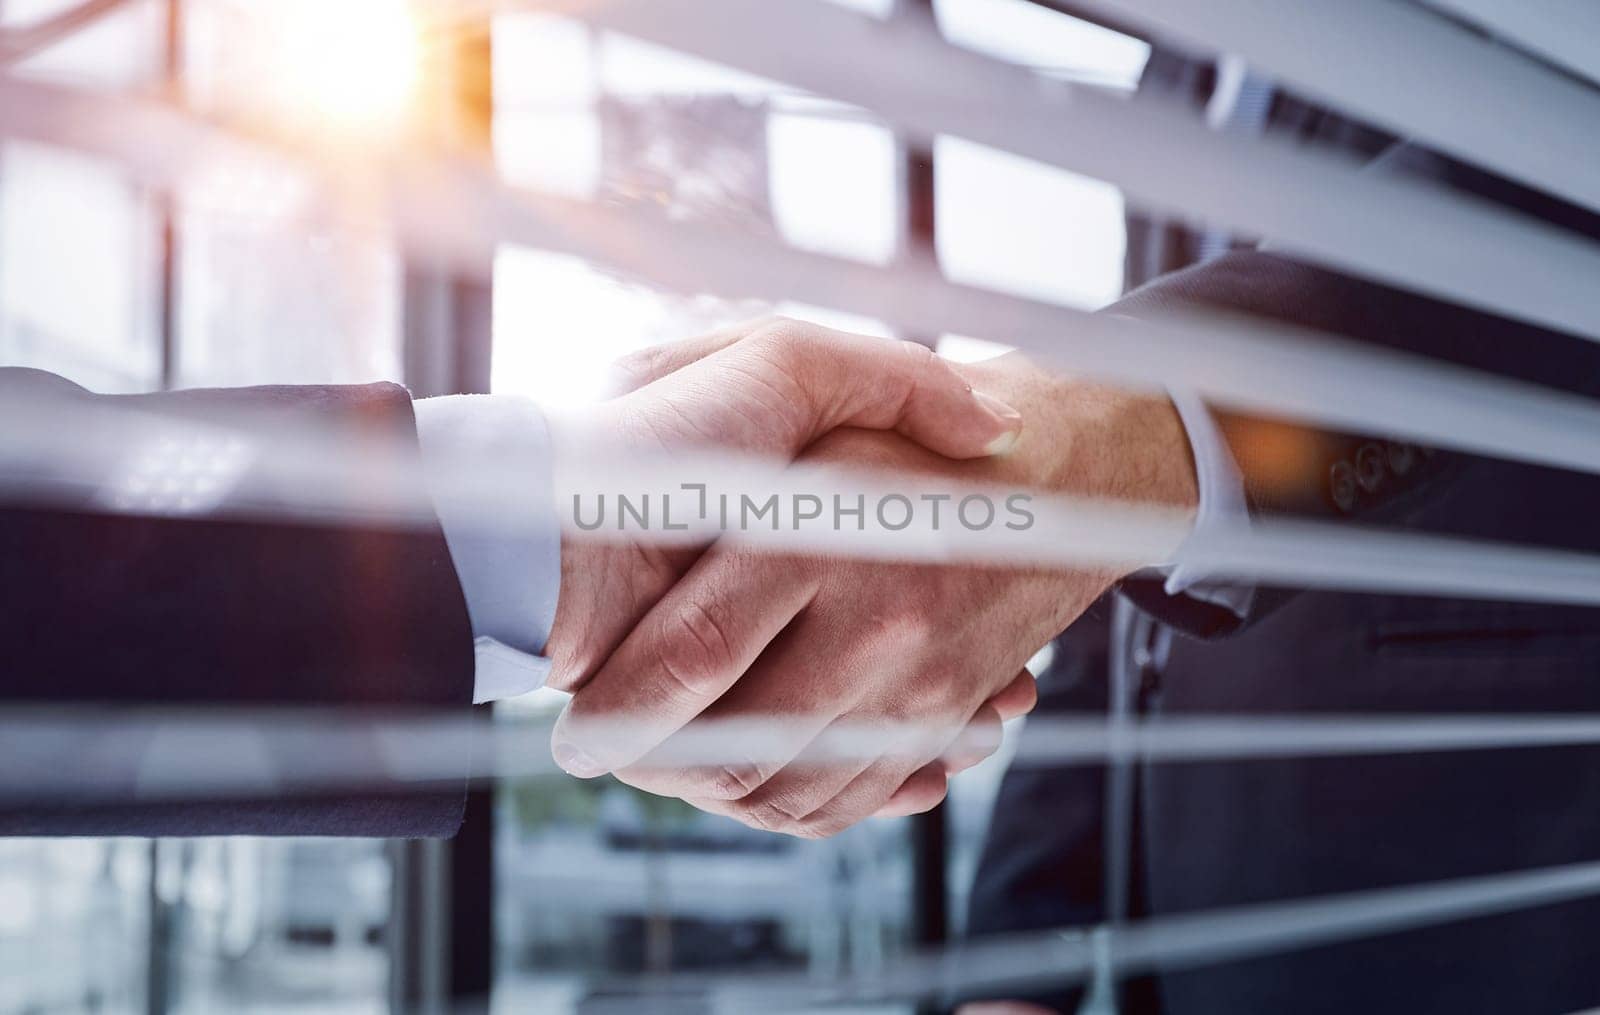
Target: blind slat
(452,214)
(1565,32)
(1406,69)
(1318,205)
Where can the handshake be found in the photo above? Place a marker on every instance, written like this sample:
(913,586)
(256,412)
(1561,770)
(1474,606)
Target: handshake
(661,641)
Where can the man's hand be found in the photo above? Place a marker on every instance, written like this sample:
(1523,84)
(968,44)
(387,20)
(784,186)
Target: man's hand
(768,389)
(817,644)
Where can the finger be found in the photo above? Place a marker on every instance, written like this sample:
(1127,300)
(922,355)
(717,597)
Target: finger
(649,365)
(683,656)
(839,756)
(1017,698)
(716,808)
(802,790)
(787,714)
(912,789)
(881,384)
(978,742)
(721,808)
(924,787)
(787,801)
(925,790)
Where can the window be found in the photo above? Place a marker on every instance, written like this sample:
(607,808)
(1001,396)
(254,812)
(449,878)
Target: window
(597,883)
(202,925)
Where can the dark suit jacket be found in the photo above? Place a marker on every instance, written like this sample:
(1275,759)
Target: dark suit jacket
(1222,834)
(121,610)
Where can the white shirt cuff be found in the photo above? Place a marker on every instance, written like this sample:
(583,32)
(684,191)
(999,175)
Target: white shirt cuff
(488,463)
(1222,506)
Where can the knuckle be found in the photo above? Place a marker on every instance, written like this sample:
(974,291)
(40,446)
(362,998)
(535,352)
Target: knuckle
(919,723)
(922,357)
(769,322)
(735,781)
(905,629)
(786,339)
(696,651)
(565,676)
(637,364)
(778,326)
(758,818)
(824,823)
(771,816)
(639,369)
(571,666)
(923,366)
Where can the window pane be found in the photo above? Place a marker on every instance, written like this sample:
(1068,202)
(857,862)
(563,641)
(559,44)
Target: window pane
(74,922)
(264,302)
(77,270)
(120,49)
(599,884)
(1011,224)
(1030,34)
(278,925)
(77,240)
(273,285)
(835,185)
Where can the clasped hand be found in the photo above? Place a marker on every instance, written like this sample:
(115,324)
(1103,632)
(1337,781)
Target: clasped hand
(661,641)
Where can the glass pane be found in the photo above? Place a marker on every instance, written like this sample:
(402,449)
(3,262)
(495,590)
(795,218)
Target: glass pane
(600,886)
(1011,224)
(74,923)
(1048,41)
(835,184)
(602,116)
(277,925)
(273,285)
(267,302)
(119,49)
(77,270)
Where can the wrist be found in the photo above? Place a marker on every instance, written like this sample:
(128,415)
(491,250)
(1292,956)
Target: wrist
(609,578)
(1089,440)
(1128,446)
(586,568)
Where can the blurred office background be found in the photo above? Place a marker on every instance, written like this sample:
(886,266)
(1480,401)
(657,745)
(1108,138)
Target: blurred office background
(558,891)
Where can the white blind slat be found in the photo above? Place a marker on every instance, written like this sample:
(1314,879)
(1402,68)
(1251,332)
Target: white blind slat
(1565,32)
(1320,206)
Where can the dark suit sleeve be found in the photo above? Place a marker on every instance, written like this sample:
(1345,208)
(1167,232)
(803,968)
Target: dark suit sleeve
(226,610)
(1293,469)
